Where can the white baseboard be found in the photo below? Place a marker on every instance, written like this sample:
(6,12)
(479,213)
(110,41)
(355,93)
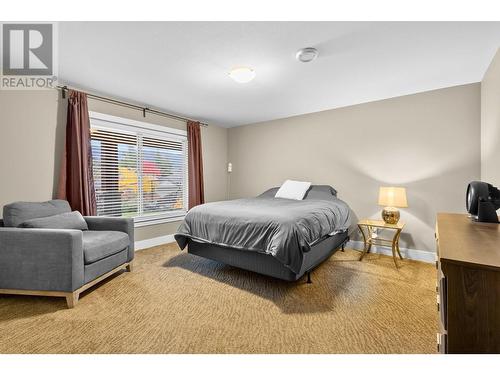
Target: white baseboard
(420,255)
(155,241)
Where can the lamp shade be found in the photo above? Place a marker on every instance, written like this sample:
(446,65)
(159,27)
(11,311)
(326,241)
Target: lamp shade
(392,197)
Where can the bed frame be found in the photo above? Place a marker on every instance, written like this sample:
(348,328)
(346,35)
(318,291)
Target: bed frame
(266,264)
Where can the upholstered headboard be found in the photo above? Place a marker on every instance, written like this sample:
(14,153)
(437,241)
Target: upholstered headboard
(314,192)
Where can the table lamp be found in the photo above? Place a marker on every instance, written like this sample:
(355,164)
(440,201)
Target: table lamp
(390,198)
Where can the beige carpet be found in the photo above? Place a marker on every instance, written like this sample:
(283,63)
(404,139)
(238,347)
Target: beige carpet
(175,302)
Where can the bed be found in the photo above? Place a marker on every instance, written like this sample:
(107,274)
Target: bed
(282,238)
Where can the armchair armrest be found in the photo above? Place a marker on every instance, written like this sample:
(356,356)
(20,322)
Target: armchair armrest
(41,259)
(114,223)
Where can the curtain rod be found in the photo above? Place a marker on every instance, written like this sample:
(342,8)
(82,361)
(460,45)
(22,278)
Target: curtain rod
(128,105)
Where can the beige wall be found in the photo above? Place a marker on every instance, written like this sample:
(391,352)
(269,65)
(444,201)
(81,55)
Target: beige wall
(427,142)
(32,132)
(490,123)
(30,136)
(215,177)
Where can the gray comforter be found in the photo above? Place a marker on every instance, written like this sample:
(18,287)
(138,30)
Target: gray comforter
(283,228)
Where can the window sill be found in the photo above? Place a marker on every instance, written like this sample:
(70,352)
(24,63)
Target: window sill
(154,221)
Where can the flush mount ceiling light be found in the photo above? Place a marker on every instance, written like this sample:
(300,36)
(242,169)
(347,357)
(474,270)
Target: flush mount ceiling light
(242,74)
(306,54)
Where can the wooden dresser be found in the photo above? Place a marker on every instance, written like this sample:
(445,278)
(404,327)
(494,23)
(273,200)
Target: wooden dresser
(468,286)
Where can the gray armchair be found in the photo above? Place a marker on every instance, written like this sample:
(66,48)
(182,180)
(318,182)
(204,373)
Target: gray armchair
(60,262)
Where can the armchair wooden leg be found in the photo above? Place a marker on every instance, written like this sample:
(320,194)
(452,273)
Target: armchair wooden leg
(72,299)
(130,267)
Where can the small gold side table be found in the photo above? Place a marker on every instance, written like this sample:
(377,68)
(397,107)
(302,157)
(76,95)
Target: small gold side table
(366,227)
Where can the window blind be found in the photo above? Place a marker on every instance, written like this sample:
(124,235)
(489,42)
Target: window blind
(138,173)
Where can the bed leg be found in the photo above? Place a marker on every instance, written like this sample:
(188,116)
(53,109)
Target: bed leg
(309,278)
(343,243)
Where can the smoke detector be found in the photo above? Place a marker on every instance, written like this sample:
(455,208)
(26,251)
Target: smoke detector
(306,54)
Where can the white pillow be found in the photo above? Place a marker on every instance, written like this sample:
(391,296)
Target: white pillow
(293,190)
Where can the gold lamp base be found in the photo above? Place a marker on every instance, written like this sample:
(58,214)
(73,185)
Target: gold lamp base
(390,215)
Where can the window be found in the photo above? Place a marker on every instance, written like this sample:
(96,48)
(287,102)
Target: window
(140,169)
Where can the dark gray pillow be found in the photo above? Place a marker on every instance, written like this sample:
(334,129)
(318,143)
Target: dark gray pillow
(320,192)
(18,212)
(314,192)
(67,220)
(269,193)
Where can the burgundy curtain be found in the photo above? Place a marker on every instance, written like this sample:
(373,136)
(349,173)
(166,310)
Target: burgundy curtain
(195,165)
(76,182)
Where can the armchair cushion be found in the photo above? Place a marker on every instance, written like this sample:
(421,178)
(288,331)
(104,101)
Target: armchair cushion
(98,245)
(114,224)
(17,213)
(67,220)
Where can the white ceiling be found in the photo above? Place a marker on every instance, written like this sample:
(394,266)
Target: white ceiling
(182,67)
